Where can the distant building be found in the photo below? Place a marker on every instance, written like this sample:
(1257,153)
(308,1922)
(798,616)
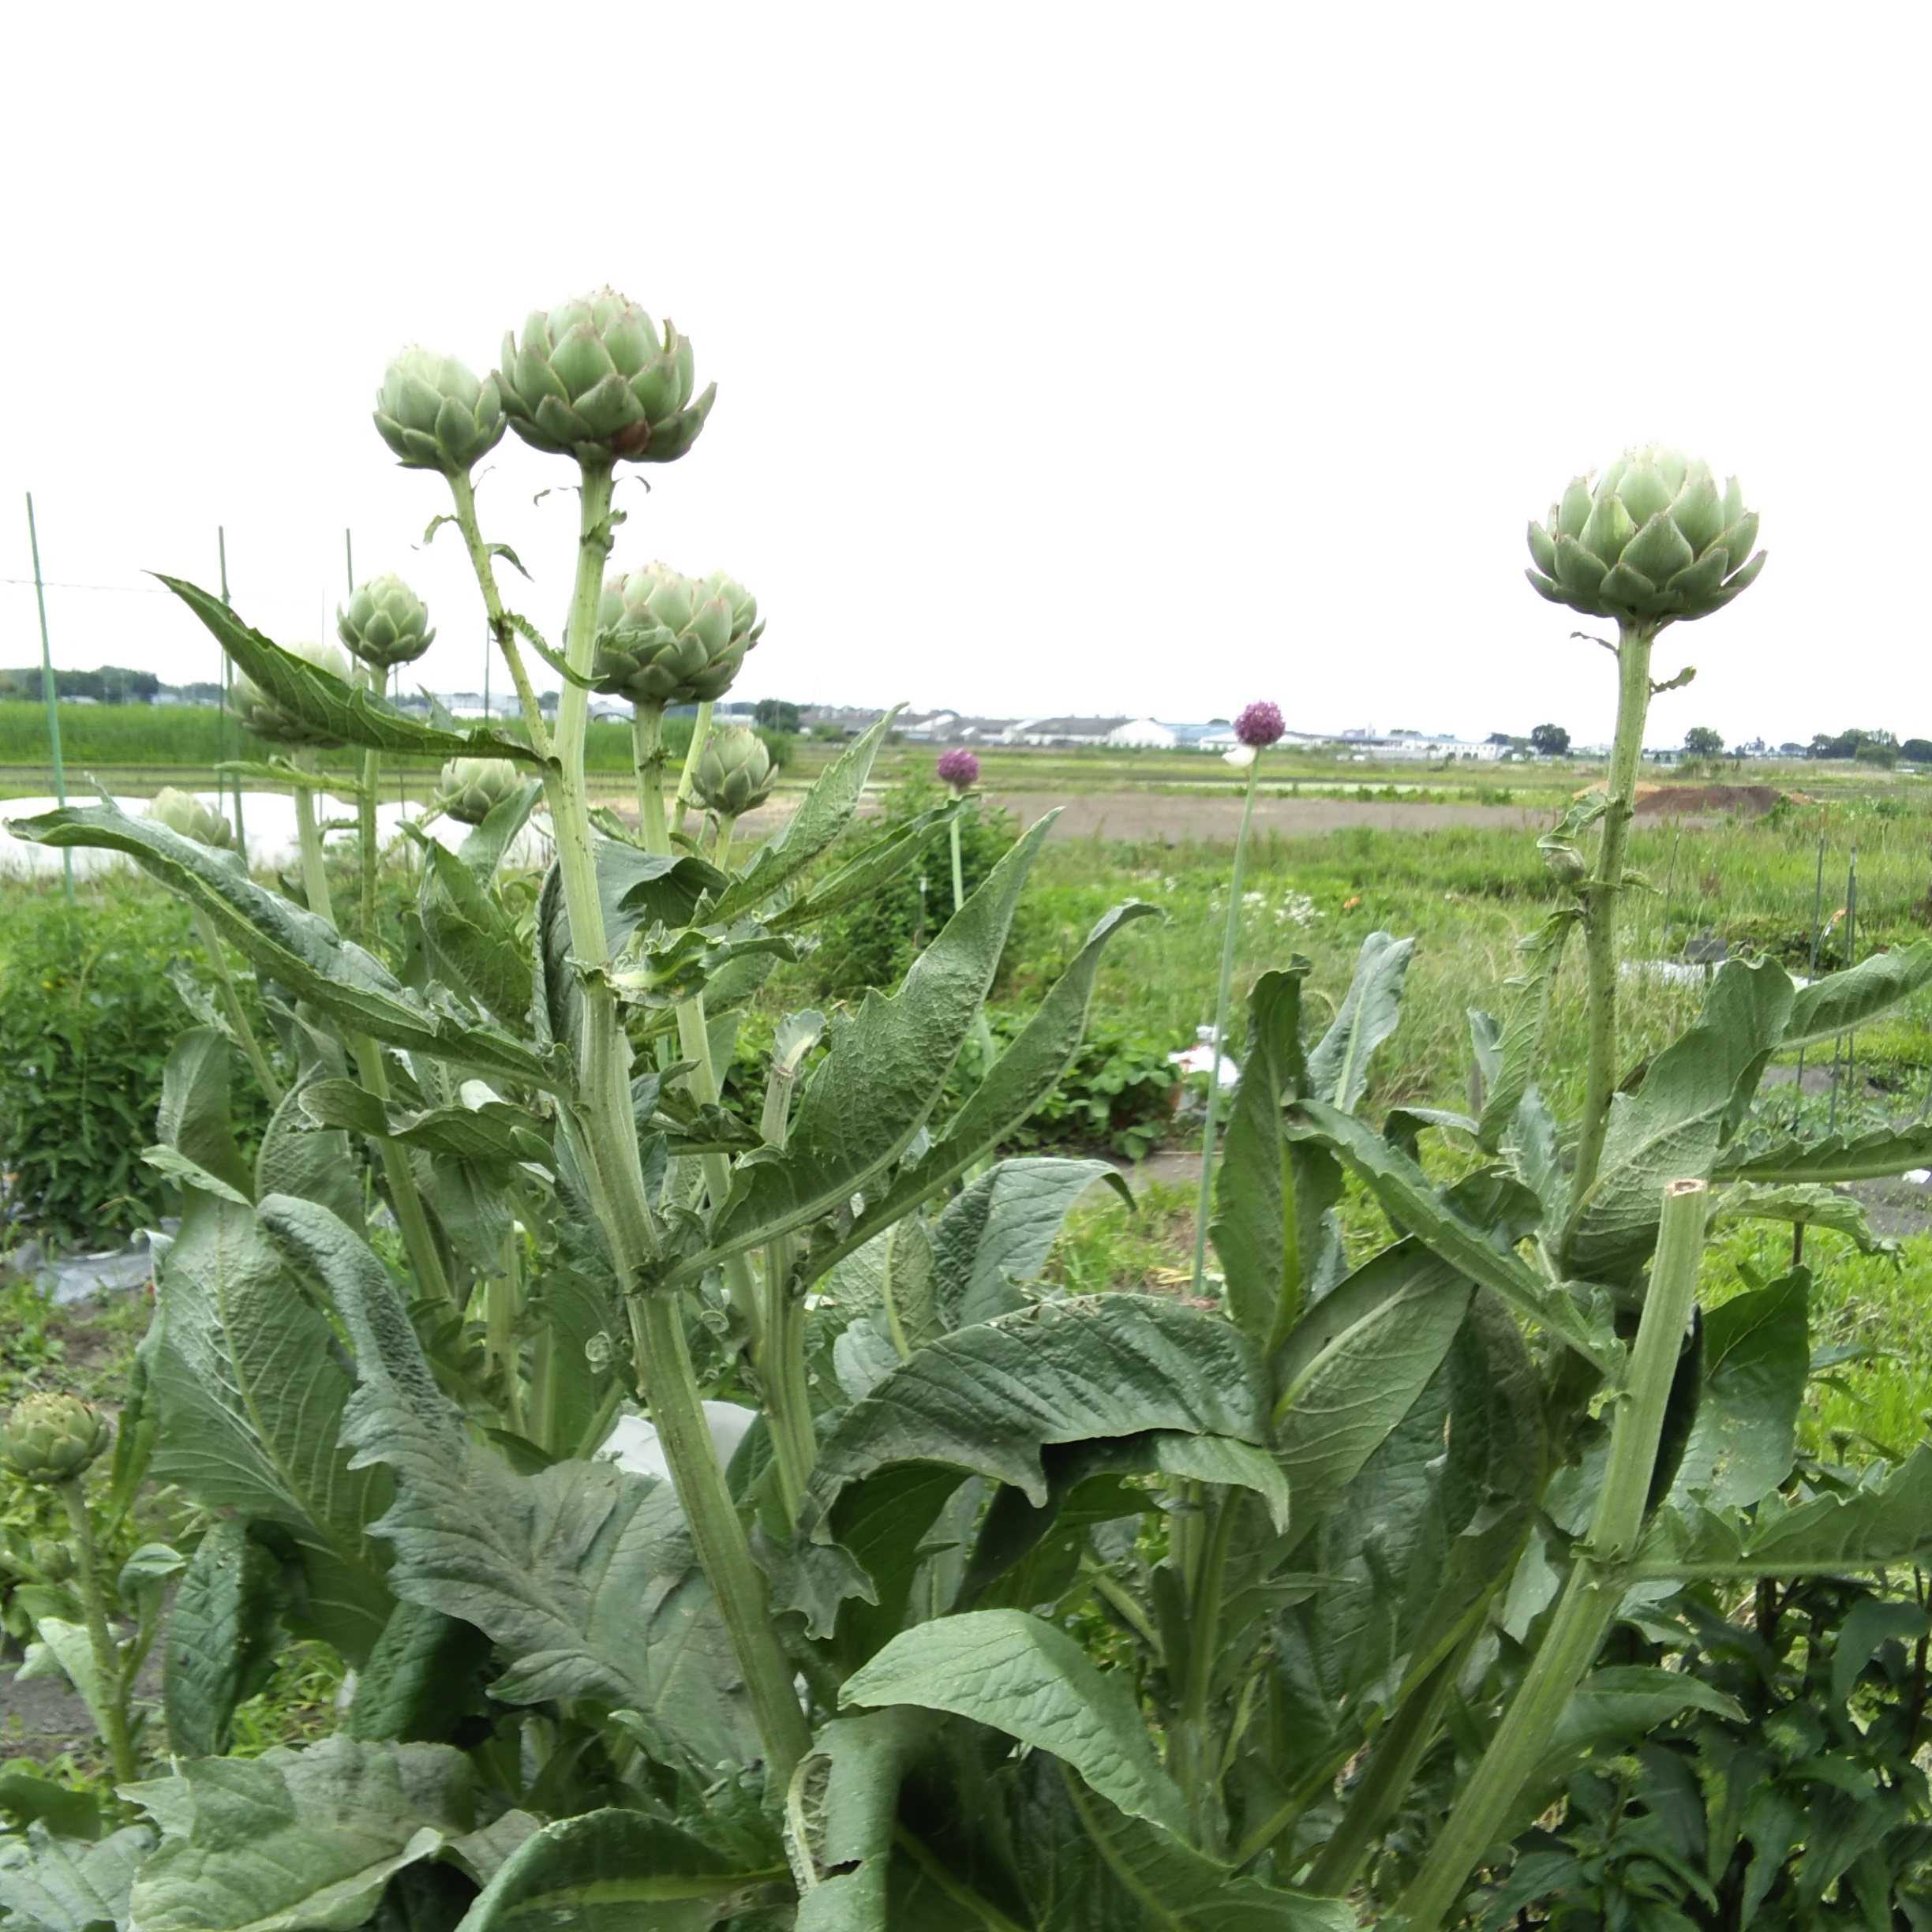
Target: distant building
(1063,731)
(1144,734)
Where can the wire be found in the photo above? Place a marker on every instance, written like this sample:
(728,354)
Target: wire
(52,583)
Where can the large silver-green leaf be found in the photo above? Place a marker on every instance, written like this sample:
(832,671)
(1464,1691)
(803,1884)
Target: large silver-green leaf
(1271,1195)
(295,1841)
(883,1076)
(288,944)
(193,1117)
(1839,1158)
(336,709)
(423,1678)
(1408,1196)
(296,1157)
(49,1884)
(823,812)
(1020,1079)
(472,939)
(484,847)
(611,1872)
(221,1637)
(1028,1678)
(1885,1524)
(840,1820)
(583,1574)
(1180,1890)
(1521,1039)
(1354,1365)
(866,872)
(1845,1001)
(1338,1069)
(995,1234)
(1691,1099)
(251,1384)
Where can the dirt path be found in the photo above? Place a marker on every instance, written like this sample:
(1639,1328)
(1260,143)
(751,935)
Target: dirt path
(1175,818)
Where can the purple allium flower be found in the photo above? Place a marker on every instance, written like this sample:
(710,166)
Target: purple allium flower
(1260,725)
(959,768)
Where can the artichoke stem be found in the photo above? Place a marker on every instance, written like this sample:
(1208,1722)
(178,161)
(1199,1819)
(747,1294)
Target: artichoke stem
(648,749)
(1597,1580)
(1205,1200)
(315,872)
(695,1044)
(237,1016)
(687,778)
(424,1260)
(112,1714)
(366,829)
(720,852)
(500,626)
(501,1300)
(1601,897)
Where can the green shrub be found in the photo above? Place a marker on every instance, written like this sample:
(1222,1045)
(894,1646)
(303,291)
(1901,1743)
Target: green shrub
(1118,1094)
(86,1017)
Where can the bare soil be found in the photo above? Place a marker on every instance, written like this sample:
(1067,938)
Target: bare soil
(1677,801)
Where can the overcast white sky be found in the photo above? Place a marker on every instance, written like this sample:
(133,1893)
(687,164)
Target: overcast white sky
(1107,358)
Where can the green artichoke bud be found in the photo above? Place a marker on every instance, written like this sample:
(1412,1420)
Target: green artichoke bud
(54,1560)
(666,638)
(735,772)
(182,812)
(471,788)
(49,1438)
(261,715)
(1655,541)
(434,413)
(384,623)
(745,625)
(595,379)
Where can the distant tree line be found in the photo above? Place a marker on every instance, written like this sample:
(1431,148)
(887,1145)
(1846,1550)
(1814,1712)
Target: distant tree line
(111,684)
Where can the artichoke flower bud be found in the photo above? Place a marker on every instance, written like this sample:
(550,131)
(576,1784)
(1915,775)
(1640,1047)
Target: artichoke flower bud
(384,623)
(182,812)
(735,772)
(433,412)
(1652,542)
(745,624)
(665,638)
(54,1560)
(260,713)
(596,379)
(471,788)
(49,1438)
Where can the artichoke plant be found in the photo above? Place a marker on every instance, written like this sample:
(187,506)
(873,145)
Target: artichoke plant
(435,414)
(260,714)
(734,773)
(1654,541)
(384,623)
(666,638)
(596,379)
(52,1438)
(471,788)
(182,812)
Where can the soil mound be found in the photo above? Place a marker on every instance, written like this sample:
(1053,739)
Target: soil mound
(1749,801)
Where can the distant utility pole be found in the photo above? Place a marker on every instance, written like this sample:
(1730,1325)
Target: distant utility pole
(47,686)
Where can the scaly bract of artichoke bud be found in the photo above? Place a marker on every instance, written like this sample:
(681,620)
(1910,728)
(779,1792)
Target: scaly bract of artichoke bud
(666,638)
(734,772)
(1654,541)
(471,789)
(435,414)
(261,715)
(598,380)
(384,623)
(182,812)
(746,626)
(50,1437)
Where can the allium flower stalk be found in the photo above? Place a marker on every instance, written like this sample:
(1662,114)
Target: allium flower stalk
(959,772)
(1257,727)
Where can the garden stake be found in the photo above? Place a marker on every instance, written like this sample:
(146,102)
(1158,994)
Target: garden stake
(46,686)
(1838,1044)
(231,731)
(1596,1582)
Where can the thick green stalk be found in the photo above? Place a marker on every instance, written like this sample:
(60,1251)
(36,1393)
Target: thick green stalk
(237,1014)
(648,752)
(695,1044)
(605,1132)
(113,1712)
(1597,1581)
(959,871)
(1600,898)
(1205,1201)
(687,778)
(720,852)
(1191,1741)
(500,626)
(502,1304)
(365,821)
(309,837)
(781,1359)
